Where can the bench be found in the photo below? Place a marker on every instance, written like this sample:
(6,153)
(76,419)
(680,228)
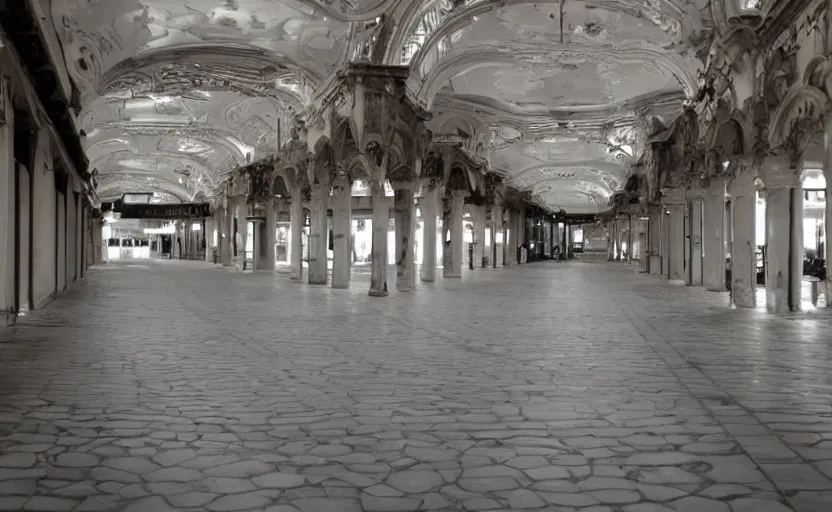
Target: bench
(813,282)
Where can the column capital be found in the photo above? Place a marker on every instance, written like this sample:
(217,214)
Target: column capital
(673,196)
(459,193)
(695,194)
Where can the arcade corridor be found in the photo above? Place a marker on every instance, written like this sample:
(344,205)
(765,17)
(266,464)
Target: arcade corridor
(143,389)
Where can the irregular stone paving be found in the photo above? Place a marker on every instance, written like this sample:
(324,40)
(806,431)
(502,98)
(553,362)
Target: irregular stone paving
(546,387)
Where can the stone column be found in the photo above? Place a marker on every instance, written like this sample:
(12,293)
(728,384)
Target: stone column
(381,225)
(827,223)
(694,274)
(714,236)
(342,236)
(675,202)
(430,213)
(318,234)
(744,244)
(480,255)
(456,228)
(654,240)
(296,228)
(611,241)
(664,242)
(784,213)
(405,211)
(271,234)
(7,198)
(242,225)
(497,231)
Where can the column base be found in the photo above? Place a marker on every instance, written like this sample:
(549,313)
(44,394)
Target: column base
(340,286)
(453,277)
(378,293)
(427,279)
(405,288)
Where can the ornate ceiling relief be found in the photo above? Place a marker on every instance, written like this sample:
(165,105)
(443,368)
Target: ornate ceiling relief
(563,86)
(185,91)
(550,95)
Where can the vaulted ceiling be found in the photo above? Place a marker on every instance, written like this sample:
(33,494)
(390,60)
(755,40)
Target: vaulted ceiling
(174,93)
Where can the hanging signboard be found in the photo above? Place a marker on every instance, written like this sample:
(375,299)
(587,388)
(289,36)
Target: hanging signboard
(162,211)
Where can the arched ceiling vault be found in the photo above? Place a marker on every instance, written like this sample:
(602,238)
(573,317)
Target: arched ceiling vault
(173,94)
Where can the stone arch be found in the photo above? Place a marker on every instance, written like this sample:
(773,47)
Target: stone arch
(323,164)
(458,179)
(729,144)
(280,187)
(796,120)
(401,174)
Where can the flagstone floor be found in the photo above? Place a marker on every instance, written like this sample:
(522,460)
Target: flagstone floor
(160,386)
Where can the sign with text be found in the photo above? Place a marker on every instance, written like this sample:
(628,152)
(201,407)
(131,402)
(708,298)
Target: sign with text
(449,139)
(163,211)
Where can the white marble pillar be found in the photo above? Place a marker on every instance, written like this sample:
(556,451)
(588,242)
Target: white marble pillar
(430,211)
(318,234)
(481,256)
(405,223)
(496,234)
(744,243)
(696,257)
(296,234)
(457,230)
(381,226)
(713,275)
(784,201)
(271,235)
(7,199)
(342,233)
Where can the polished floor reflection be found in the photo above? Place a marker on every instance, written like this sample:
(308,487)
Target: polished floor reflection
(551,386)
